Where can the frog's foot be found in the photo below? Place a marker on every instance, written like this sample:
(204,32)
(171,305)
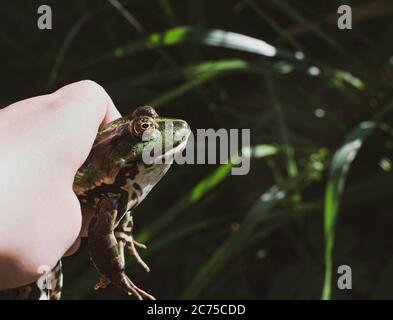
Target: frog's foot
(123,233)
(130,244)
(132,289)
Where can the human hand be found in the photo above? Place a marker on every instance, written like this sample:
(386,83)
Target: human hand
(43,142)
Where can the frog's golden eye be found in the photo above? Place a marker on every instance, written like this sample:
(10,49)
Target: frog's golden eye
(141,125)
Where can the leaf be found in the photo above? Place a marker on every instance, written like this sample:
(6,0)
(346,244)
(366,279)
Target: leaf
(210,37)
(339,168)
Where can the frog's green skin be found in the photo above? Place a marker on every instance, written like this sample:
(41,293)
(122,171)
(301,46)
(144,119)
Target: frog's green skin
(113,181)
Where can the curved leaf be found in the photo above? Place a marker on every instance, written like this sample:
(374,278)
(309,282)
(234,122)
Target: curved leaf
(339,168)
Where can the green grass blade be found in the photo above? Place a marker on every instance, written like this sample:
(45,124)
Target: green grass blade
(210,37)
(274,25)
(292,12)
(66,45)
(200,74)
(128,16)
(339,168)
(283,128)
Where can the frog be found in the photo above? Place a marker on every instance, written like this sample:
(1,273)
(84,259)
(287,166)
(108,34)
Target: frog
(128,158)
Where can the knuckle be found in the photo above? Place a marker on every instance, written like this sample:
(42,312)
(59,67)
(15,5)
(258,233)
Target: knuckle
(92,87)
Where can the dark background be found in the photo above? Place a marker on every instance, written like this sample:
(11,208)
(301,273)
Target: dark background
(212,235)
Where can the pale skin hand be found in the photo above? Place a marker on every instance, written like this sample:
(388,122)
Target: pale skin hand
(43,142)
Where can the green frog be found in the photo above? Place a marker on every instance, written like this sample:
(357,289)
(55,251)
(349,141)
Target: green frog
(129,156)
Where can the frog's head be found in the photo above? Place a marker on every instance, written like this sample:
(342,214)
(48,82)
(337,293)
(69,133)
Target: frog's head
(117,157)
(155,142)
(155,137)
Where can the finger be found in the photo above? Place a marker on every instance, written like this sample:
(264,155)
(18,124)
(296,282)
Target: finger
(62,124)
(88,93)
(79,109)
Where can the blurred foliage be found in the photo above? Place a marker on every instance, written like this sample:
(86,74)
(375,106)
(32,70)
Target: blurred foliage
(318,101)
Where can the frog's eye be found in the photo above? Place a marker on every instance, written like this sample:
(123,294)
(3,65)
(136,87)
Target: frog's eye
(141,125)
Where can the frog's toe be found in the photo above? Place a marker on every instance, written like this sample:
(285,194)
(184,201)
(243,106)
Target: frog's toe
(133,252)
(132,289)
(131,245)
(139,245)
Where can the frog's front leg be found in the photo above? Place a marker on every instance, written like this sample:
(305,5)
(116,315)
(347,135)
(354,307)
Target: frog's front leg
(124,235)
(105,251)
